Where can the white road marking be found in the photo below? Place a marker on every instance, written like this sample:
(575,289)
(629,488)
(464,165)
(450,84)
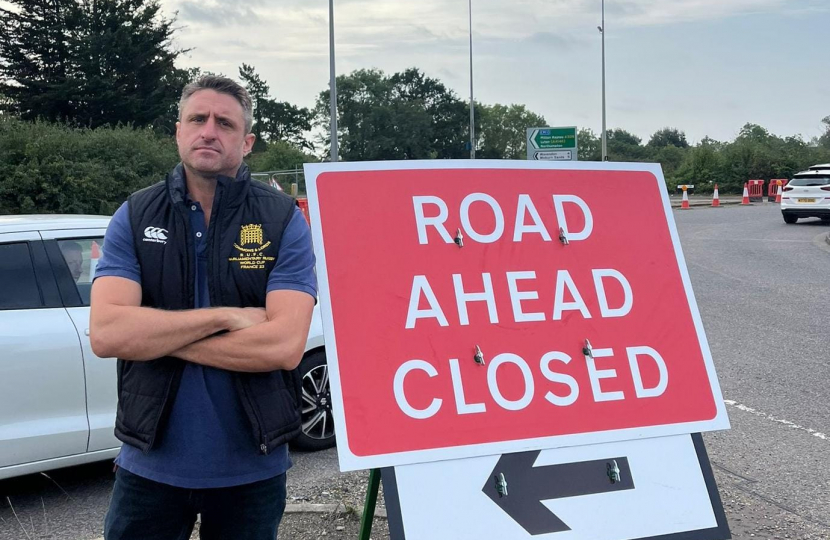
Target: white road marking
(766,416)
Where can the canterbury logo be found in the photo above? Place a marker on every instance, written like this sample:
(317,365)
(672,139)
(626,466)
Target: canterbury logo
(155,234)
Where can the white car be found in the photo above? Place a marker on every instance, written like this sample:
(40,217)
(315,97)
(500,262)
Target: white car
(807,195)
(57,399)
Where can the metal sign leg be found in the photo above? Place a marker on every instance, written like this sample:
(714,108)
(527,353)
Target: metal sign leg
(369,507)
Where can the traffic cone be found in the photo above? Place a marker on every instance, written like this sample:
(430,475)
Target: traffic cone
(746,194)
(685,204)
(94,255)
(715,197)
(778,192)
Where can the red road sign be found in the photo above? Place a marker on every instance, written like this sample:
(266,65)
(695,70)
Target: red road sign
(568,279)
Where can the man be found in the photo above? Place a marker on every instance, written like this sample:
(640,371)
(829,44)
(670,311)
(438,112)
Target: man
(207,398)
(74,257)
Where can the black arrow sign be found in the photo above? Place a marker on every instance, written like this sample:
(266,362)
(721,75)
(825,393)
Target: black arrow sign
(527,486)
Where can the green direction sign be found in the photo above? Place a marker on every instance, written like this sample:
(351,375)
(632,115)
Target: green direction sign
(540,141)
(554,138)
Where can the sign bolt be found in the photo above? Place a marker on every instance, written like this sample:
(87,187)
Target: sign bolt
(613,471)
(459,239)
(587,350)
(501,485)
(479,357)
(562,237)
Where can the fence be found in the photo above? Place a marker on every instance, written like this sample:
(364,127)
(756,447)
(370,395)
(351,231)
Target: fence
(283,179)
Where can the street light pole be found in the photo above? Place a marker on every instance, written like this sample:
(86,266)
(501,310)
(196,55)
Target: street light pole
(332,84)
(472,101)
(604,134)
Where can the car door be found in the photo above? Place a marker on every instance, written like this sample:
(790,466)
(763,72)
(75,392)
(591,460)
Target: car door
(75,283)
(42,394)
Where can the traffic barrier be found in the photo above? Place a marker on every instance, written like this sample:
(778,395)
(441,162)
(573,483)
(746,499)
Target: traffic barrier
(772,192)
(685,204)
(772,189)
(303,204)
(715,197)
(756,190)
(745,199)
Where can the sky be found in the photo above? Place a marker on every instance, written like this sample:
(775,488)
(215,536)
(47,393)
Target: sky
(706,67)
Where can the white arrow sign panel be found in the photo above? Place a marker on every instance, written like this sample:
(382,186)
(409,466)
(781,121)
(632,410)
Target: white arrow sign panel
(553,155)
(661,489)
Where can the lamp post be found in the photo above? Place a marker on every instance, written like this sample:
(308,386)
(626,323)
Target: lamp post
(332,84)
(472,101)
(604,135)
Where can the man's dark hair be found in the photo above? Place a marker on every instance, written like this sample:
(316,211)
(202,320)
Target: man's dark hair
(223,85)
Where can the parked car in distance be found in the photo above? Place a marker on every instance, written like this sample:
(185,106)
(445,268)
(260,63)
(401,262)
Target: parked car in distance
(807,195)
(57,399)
(820,167)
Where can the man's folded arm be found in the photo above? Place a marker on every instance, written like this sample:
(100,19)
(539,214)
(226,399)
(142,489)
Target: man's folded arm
(277,343)
(120,327)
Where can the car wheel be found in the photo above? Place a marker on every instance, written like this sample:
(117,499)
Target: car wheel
(318,421)
(789,218)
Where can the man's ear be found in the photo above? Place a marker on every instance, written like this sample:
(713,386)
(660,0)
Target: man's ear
(249,144)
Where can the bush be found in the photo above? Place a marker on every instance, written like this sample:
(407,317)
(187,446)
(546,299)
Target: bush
(52,168)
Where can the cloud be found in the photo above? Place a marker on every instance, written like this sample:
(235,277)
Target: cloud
(379,24)
(544,53)
(191,12)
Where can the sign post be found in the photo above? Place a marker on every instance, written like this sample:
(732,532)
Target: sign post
(552,144)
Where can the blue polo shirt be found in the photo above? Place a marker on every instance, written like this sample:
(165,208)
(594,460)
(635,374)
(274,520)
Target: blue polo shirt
(207,442)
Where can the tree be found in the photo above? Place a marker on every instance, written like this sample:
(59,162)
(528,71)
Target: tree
(282,121)
(624,146)
(89,63)
(824,140)
(176,80)
(589,146)
(274,120)
(258,90)
(503,132)
(702,167)
(668,137)
(403,116)
(669,157)
(436,112)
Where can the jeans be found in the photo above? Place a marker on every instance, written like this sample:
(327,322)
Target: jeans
(141,509)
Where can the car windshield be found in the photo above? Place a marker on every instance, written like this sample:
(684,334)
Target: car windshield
(810,181)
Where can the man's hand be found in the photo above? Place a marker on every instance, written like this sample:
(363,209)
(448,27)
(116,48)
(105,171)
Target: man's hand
(242,318)
(277,343)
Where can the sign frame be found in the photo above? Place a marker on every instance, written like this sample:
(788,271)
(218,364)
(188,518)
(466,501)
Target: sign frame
(351,461)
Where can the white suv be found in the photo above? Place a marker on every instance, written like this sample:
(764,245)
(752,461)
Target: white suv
(807,195)
(57,399)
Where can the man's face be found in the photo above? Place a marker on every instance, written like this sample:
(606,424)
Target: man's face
(75,262)
(211,134)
